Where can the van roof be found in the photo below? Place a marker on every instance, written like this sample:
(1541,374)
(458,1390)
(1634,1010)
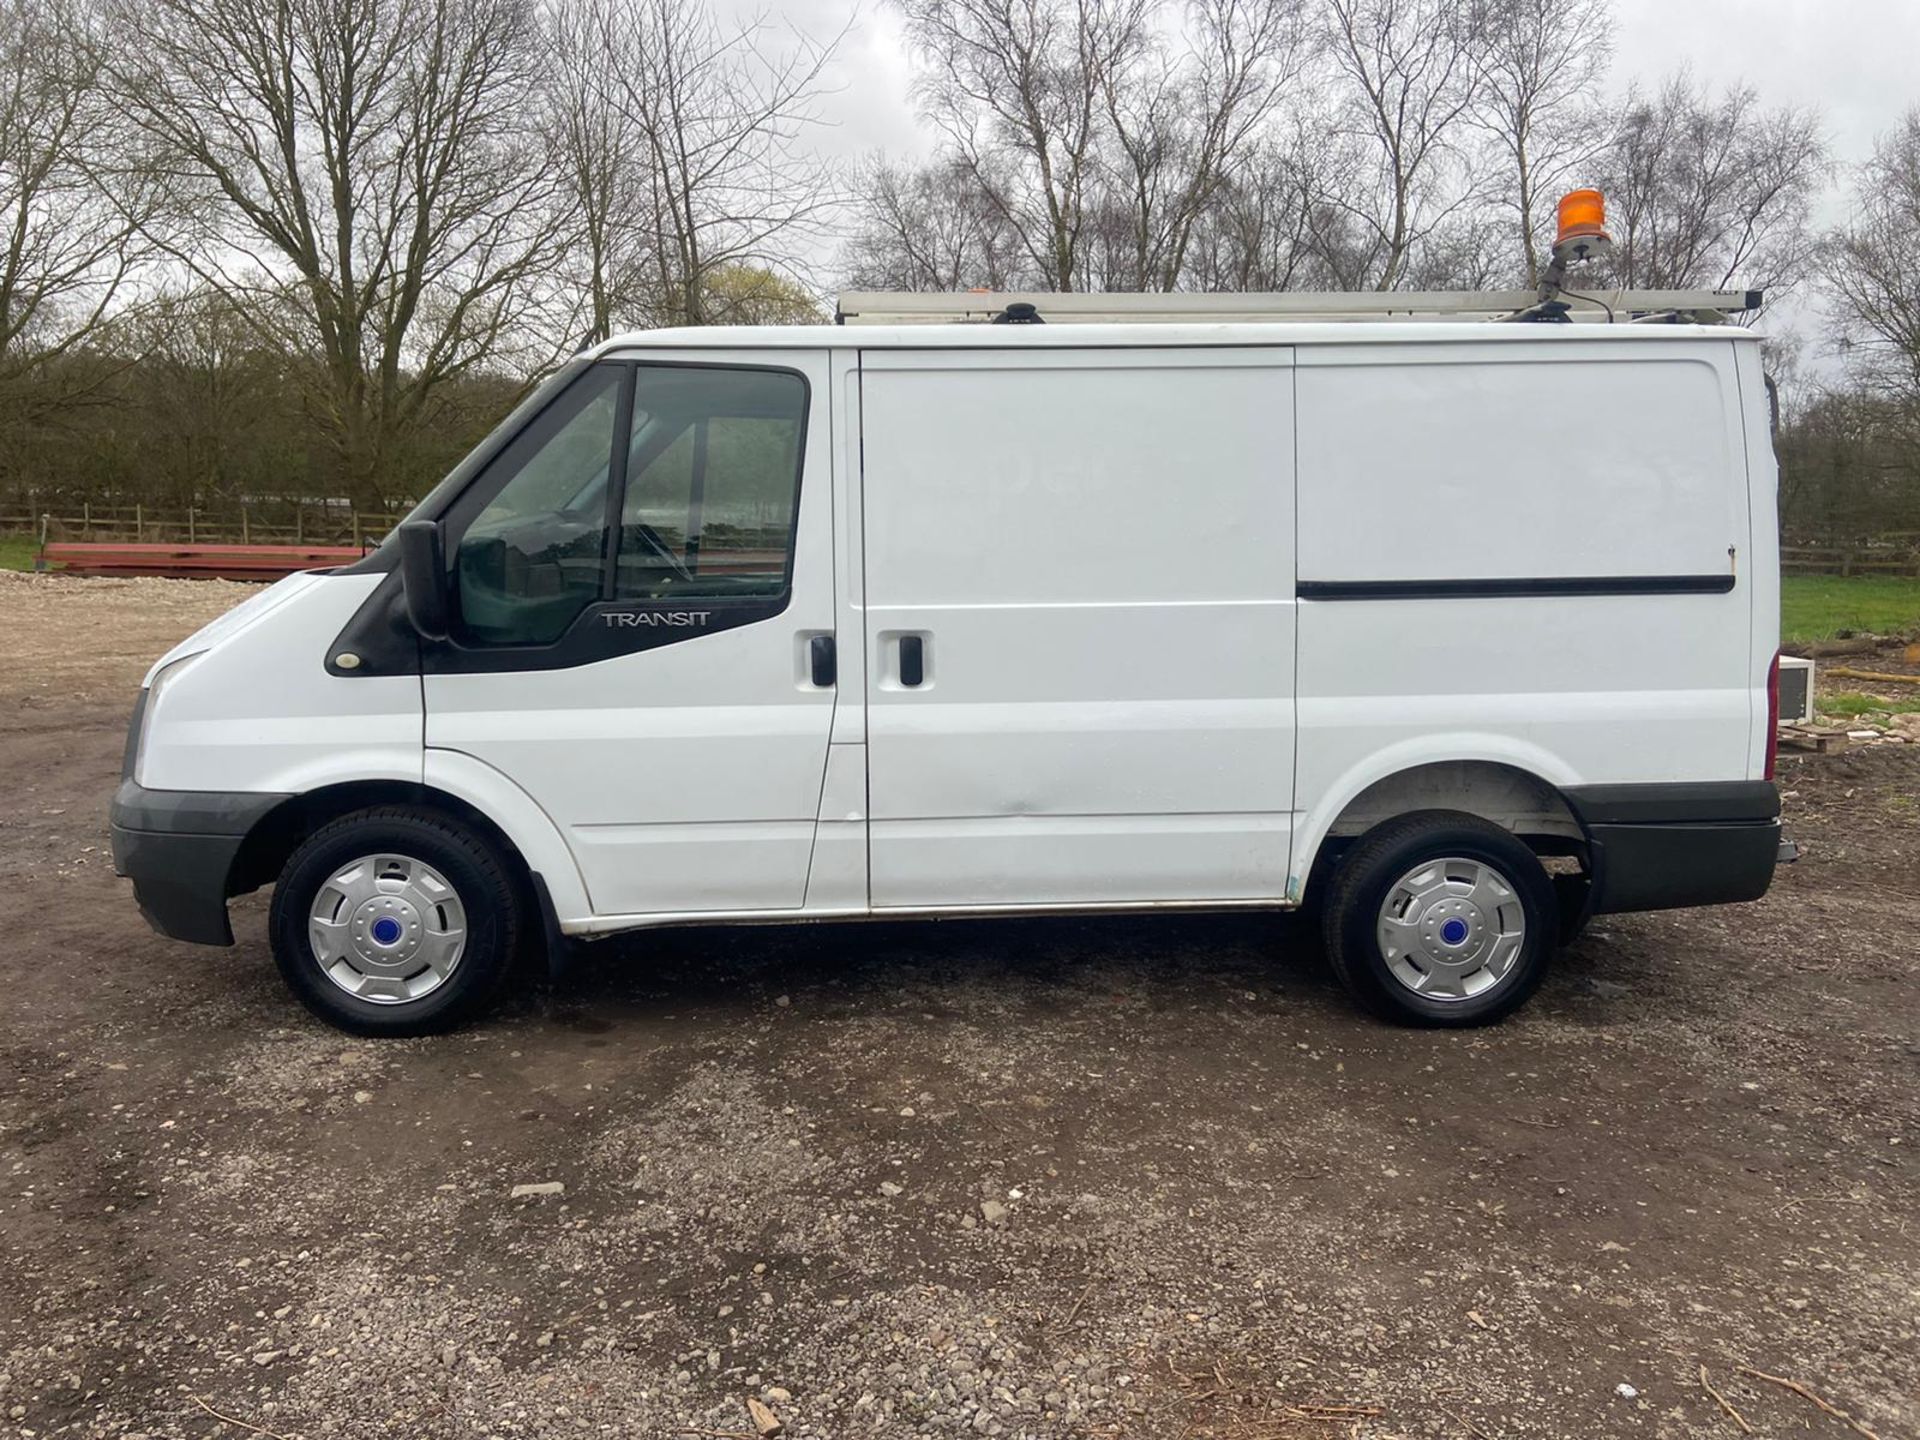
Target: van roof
(1147,335)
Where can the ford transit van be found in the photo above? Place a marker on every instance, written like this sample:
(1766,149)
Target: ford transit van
(1457,633)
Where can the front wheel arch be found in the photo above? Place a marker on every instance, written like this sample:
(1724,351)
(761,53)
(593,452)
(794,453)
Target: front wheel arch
(277,834)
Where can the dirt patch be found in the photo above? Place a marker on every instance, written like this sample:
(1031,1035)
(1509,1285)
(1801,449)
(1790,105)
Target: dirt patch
(1061,1178)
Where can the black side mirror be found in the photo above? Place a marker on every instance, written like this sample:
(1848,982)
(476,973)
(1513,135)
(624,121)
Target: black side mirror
(423,576)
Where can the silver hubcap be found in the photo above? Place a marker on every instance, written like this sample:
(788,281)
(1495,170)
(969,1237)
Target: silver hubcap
(387,928)
(1451,929)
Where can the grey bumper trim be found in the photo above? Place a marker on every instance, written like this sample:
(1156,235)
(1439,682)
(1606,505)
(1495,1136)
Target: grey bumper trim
(1665,846)
(189,812)
(178,847)
(1686,802)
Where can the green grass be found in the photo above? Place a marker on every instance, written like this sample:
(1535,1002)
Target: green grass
(1853,704)
(1819,607)
(16,552)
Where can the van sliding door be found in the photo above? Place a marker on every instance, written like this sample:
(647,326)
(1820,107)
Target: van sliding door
(1080,624)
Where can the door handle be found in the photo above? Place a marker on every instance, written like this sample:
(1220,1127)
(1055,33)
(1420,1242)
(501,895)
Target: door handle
(820,661)
(913,661)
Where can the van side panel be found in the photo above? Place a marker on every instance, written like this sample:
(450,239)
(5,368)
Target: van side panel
(1532,554)
(1079,587)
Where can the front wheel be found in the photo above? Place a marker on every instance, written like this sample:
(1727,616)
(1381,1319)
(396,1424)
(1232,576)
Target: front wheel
(394,921)
(1440,918)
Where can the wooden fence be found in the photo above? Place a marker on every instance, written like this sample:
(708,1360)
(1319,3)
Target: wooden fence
(1895,552)
(276,524)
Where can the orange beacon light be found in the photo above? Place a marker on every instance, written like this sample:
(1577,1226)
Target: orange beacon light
(1583,227)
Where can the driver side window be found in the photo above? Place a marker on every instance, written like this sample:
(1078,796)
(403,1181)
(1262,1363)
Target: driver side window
(712,481)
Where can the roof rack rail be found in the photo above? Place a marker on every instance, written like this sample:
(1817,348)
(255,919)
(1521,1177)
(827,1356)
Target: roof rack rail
(980,307)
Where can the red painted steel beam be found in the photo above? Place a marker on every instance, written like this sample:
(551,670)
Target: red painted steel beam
(225,562)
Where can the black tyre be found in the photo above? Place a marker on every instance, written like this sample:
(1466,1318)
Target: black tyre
(1440,918)
(395,921)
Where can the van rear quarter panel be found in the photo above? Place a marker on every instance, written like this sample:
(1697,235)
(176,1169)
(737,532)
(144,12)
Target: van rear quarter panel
(1555,460)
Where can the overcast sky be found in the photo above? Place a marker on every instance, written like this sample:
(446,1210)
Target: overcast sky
(1858,61)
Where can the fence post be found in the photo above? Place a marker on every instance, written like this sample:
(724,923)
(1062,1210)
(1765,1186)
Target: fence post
(299,523)
(190,535)
(86,517)
(139,523)
(356,529)
(245,537)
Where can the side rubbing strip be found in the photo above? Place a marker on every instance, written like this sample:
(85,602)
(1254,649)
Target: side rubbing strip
(1515,588)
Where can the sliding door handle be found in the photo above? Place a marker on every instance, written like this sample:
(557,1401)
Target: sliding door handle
(820,661)
(913,661)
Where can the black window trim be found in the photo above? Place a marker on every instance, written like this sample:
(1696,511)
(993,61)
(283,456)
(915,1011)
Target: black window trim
(591,637)
(463,508)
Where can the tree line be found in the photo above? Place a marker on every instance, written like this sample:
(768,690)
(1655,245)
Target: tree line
(315,247)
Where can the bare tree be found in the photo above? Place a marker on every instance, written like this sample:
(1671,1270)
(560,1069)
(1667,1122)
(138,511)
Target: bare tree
(1272,226)
(1705,191)
(1408,68)
(601,160)
(1179,126)
(1471,249)
(363,178)
(930,228)
(1019,89)
(1872,267)
(1541,65)
(210,395)
(690,159)
(754,295)
(68,249)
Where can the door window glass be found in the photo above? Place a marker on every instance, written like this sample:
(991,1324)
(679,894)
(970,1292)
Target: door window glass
(533,559)
(713,476)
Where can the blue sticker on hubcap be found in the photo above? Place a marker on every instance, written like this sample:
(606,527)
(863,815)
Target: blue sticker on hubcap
(386,930)
(1454,931)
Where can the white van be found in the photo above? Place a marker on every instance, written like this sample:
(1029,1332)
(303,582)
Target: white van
(1460,633)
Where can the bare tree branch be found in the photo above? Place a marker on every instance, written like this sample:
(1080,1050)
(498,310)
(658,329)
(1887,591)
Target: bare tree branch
(365,175)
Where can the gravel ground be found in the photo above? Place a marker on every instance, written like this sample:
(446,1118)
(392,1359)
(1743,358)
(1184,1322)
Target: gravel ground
(1063,1178)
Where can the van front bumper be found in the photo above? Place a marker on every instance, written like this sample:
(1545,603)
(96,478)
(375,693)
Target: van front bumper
(1659,847)
(178,848)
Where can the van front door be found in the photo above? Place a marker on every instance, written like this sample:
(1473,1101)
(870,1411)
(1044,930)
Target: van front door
(1080,624)
(643,640)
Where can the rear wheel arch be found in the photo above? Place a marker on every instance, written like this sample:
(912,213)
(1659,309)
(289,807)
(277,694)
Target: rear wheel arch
(1515,797)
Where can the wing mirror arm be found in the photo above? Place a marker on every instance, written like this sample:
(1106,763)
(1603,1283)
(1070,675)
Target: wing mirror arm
(423,577)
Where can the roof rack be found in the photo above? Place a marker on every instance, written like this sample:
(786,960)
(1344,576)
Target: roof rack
(879,307)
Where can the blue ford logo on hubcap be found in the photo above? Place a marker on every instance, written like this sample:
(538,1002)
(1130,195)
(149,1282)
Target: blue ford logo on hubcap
(1453,932)
(387,931)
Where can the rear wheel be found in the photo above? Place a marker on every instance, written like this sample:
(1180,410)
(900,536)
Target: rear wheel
(1440,918)
(395,921)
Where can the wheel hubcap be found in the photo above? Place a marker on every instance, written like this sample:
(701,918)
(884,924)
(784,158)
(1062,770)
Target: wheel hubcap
(1451,928)
(387,929)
